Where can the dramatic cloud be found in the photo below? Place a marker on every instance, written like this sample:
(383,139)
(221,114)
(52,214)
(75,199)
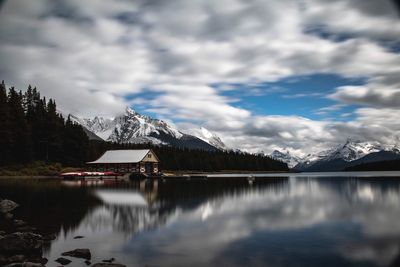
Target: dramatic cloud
(94,57)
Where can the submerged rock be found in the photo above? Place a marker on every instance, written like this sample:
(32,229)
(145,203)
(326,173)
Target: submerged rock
(7,205)
(63,261)
(108,265)
(21,242)
(79,253)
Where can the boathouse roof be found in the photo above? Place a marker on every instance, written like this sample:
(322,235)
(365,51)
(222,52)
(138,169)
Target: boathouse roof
(123,156)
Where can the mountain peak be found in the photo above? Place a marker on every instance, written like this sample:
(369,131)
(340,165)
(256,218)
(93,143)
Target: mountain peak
(132,127)
(130,111)
(209,137)
(286,157)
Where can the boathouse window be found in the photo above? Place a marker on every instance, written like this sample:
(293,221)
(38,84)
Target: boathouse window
(149,155)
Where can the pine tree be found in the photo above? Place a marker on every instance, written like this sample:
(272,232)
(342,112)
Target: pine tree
(5,131)
(20,139)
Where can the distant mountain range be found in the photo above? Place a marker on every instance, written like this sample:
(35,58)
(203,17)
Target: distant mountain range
(339,158)
(132,127)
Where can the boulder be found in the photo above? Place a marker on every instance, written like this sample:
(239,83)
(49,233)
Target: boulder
(78,237)
(7,205)
(79,253)
(21,242)
(63,261)
(108,265)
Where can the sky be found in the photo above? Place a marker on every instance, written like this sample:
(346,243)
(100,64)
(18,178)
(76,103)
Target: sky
(295,75)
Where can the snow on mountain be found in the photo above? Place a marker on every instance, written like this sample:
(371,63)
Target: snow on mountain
(287,158)
(351,150)
(101,127)
(132,127)
(208,137)
(354,150)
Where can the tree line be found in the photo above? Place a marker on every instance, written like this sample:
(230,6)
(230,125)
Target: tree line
(32,130)
(173,158)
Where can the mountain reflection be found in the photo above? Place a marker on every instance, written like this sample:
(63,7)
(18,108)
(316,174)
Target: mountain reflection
(148,205)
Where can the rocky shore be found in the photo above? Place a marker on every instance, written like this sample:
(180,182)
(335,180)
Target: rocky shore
(21,245)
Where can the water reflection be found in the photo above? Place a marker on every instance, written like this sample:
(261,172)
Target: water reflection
(273,222)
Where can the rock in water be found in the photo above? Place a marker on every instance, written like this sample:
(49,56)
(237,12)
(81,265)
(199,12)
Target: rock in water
(108,265)
(63,261)
(79,253)
(21,242)
(7,205)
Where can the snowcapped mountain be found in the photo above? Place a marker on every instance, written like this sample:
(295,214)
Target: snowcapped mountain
(132,127)
(346,154)
(287,158)
(353,150)
(208,137)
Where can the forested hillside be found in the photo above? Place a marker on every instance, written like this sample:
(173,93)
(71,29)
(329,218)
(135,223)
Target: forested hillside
(32,130)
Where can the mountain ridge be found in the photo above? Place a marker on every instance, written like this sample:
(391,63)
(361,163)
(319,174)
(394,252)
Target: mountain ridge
(135,128)
(340,157)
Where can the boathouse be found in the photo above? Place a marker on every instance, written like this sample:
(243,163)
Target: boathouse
(136,161)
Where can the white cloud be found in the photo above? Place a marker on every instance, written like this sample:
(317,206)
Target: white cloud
(89,55)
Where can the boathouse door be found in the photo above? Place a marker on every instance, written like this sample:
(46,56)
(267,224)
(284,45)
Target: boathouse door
(148,167)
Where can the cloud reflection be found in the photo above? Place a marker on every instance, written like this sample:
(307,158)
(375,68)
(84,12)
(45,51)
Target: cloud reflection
(346,220)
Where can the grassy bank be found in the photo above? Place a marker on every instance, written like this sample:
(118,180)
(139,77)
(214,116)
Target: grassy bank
(36,168)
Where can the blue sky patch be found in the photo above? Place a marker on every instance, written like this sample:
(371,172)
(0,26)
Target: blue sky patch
(298,95)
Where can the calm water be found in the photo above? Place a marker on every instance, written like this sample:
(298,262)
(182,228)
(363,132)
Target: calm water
(282,221)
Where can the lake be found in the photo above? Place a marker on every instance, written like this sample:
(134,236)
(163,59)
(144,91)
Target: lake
(290,220)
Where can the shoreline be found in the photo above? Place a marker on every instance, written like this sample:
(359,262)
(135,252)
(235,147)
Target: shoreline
(167,174)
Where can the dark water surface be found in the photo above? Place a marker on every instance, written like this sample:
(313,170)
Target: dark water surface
(283,221)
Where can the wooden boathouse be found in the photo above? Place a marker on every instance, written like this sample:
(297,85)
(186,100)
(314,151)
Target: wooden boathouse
(134,161)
